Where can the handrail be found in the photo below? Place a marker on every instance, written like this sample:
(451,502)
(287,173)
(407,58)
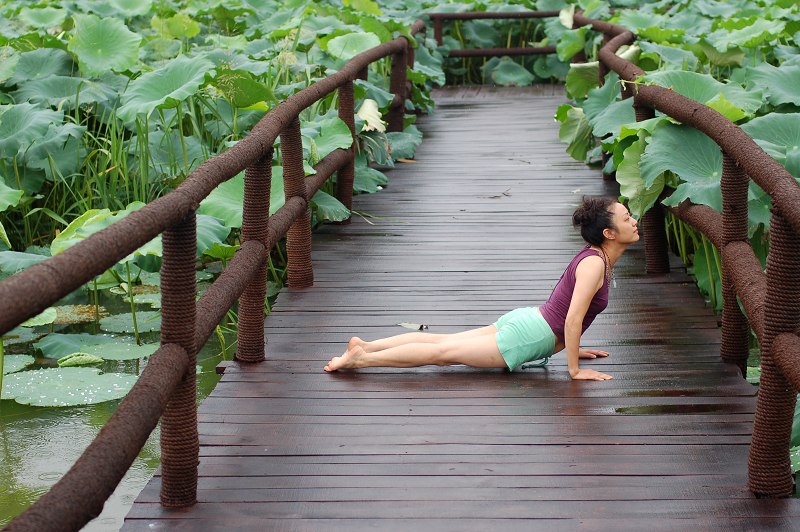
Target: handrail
(772,300)
(439,18)
(166,389)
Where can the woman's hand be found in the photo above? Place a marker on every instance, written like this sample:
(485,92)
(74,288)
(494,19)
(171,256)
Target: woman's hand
(589,375)
(591,353)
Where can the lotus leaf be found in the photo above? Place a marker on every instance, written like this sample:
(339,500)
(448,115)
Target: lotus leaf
(753,377)
(178,26)
(160,49)
(9,59)
(367,179)
(131,8)
(571,43)
(147,321)
(366,6)
(78,359)
(328,208)
(365,89)
(72,314)
(42,63)
(345,47)
(631,185)
(103,44)
(46,317)
(692,156)
(662,35)
(221,251)
(669,56)
(779,83)
(750,36)
(715,9)
(241,89)
(95,220)
(509,73)
(22,124)
(369,24)
(43,18)
(612,118)
(64,90)
(731,57)
(702,275)
(21,335)
(581,78)
(12,262)
(164,87)
(14,363)
(121,350)
(779,135)
(57,345)
(600,98)
(210,231)
(575,130)
(59,153)
(429,65)
(66,386)
(479,34)
(4,237)
(329,133)
(639,19)
(9,197)
(403,144)
(703,88)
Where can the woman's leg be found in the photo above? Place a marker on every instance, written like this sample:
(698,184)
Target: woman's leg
(478,351)
(417,338)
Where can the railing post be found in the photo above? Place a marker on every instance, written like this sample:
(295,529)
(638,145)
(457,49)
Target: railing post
(602,69)
(255,220)
(437,30)
(346,174)
(298,239)
(656,251)
(180,447)
(769,471)
(735,329)
(397,86)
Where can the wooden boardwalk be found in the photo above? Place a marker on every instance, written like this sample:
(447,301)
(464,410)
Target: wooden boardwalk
(477,226)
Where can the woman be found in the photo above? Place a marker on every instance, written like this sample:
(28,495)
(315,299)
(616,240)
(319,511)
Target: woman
(524,334)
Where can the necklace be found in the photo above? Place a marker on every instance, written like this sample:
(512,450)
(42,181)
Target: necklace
(610,278)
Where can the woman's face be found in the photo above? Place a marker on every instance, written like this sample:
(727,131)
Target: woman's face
(625,226)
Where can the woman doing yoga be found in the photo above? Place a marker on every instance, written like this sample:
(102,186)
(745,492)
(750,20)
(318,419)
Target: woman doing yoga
(524,334)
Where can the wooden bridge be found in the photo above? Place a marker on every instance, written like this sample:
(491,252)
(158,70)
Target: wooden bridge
(479,224)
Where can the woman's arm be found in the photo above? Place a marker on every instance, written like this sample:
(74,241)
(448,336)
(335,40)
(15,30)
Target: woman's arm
(588,279)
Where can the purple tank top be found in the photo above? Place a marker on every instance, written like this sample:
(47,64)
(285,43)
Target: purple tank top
(555,309)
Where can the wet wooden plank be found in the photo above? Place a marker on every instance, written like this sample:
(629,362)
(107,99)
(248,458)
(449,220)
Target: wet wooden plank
(478,225)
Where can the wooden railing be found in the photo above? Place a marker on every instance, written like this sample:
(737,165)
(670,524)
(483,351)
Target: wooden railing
(771,299)
(166,389)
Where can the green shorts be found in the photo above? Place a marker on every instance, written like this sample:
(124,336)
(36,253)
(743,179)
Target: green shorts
(523,336)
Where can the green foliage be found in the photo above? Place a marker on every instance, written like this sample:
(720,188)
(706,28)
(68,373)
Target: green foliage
(65,387)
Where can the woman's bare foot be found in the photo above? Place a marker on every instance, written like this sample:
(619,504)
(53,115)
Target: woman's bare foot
(349,360)
(355,341)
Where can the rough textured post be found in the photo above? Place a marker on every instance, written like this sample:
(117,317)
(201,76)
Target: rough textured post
(602,69)
(346,174)
(180,446)
(437,30)
(769,471)
(735,330)
(656,252)
(298,240)
(397,86)
(255,218)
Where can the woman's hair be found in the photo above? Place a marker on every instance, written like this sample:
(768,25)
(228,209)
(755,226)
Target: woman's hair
(593,216)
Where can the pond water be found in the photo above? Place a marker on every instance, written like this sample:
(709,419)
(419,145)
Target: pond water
(39,444)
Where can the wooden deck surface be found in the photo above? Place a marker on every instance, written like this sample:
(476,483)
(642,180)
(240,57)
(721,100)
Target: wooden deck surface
(478,225)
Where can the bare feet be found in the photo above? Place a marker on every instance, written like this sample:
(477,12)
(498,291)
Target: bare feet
(349,360)
(355,341)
